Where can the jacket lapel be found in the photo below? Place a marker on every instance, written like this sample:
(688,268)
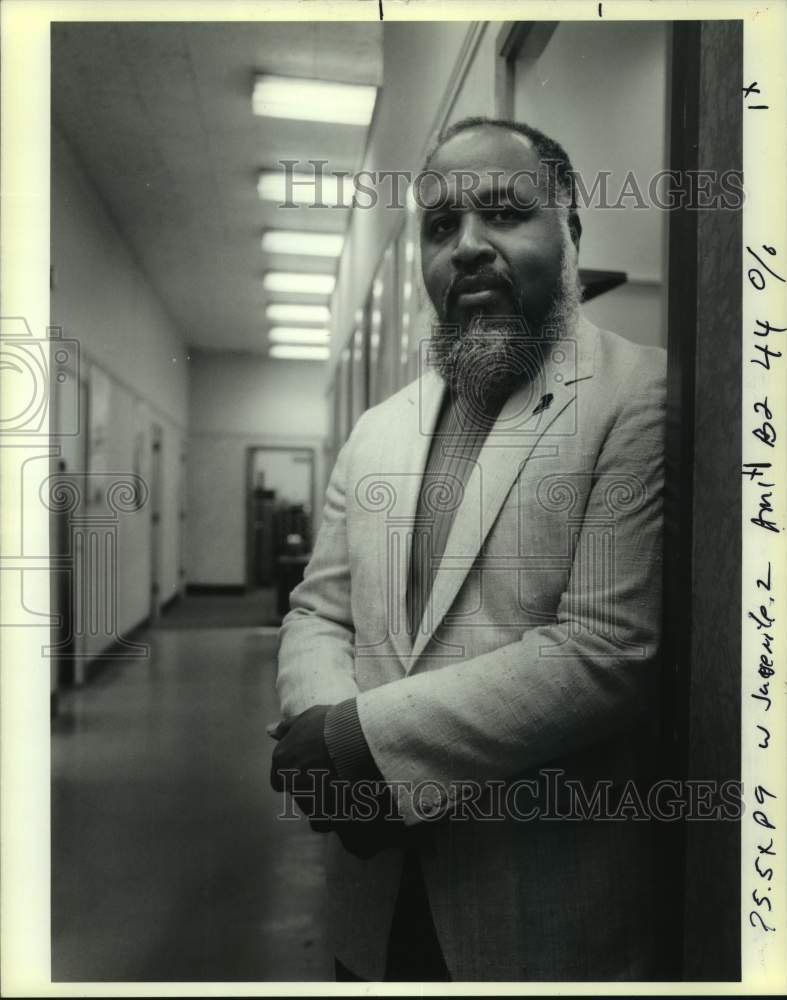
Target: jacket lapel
(518,433)
(406,462)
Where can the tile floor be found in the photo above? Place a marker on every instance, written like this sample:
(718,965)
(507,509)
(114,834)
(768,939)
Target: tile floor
(167,860)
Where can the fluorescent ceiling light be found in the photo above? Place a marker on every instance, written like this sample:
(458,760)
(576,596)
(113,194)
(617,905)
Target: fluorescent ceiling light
(291,312)
(299,352)
(298,335)
(326,190)
(294,241)
(313,100)
(304,284)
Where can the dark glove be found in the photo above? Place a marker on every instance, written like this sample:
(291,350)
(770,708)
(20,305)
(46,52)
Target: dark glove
(366,837)
(302,766)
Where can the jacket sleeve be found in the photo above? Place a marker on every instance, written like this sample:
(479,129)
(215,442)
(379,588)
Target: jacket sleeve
(563,685)
(316,640)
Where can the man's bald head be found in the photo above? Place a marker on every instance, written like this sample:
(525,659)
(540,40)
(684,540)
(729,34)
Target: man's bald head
(558,170)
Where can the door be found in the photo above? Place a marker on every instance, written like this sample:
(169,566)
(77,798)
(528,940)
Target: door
(280,508)
(156,445)
(67,638)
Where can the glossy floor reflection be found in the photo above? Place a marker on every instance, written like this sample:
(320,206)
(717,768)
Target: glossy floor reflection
(168,862)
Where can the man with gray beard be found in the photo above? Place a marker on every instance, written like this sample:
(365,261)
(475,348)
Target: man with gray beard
(482,607)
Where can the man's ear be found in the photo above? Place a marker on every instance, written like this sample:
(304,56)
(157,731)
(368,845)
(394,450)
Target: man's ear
(574,227)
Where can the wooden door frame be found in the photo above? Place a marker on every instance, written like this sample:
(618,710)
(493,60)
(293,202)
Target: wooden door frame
(701,689)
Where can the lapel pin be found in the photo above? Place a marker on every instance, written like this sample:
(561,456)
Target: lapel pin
(543,403)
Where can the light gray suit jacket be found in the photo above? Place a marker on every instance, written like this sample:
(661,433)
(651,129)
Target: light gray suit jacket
(538,649)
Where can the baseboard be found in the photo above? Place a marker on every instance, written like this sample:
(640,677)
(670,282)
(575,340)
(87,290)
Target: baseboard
(170,601)
(215,589)
(114,653)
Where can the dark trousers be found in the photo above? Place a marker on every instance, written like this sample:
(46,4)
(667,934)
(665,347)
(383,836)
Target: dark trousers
(414,953)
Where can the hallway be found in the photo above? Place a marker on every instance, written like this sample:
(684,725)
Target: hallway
(167,860)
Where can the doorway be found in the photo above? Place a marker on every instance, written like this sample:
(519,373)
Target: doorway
(156,438)
(280,503)
(67,586)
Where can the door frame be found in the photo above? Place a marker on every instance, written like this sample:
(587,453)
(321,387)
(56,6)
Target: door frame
(701,676)
(156,498)
(251,451)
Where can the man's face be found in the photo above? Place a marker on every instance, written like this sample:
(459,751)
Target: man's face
(492,253)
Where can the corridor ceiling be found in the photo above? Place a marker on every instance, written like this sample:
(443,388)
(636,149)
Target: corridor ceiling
(160,117)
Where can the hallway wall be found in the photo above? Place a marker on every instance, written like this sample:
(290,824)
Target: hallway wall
(615,123)
(102,296)
(239,401)
(134,358)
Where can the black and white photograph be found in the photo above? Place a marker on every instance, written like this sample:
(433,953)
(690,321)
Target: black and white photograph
(393,535)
